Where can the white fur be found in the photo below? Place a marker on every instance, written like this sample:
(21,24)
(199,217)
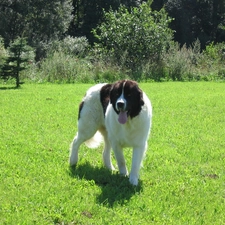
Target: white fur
(134,133)
(121,99)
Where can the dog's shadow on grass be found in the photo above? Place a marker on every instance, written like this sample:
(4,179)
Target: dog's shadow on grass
(116,189)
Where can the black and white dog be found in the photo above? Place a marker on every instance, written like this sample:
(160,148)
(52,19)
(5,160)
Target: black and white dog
(121,113)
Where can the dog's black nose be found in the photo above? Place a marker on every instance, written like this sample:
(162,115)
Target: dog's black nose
(120,105)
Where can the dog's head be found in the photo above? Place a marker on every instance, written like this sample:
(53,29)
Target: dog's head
(127,99)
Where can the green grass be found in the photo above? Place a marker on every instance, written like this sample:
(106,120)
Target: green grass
(182,181)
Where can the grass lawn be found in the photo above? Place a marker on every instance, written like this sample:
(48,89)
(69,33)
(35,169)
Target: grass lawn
(182,181)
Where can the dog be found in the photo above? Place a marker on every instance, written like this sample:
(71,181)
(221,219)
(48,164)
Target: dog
(121,113)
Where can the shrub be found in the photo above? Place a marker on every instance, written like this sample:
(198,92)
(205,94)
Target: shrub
(211,65)
(180,62)
(106,72)
(77,46)
(61,67)
(134,38)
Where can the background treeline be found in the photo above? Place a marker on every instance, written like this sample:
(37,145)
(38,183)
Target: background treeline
(87,41)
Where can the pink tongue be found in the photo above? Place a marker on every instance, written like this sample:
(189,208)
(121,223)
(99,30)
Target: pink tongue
(122,117)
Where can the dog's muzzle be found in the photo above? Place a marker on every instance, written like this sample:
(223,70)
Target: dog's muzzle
(120,105)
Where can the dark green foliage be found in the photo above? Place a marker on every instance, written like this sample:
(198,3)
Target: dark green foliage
(40,21)
(19,54)
(45,20)
(3,53)
(194,19)
(197,19)
(88,14)
(134,38)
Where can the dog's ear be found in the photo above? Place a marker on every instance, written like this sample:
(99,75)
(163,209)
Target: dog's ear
(105,91)
(104,95)
(141,97)
(139,93)
(111,94)
(114,91)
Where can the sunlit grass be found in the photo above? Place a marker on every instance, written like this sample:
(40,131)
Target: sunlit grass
(182,181)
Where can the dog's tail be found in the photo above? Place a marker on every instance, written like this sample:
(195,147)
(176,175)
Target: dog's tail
(95,141)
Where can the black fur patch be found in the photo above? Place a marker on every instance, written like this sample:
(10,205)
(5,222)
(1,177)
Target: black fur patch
(105,96)
(80,108)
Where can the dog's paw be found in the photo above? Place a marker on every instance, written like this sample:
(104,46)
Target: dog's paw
(110,167)
(124,172)
(133,180)
(72,161)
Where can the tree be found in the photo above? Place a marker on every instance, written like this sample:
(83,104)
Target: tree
(136,36)
(88,14)
(19,54)
(195,19)
(39,20)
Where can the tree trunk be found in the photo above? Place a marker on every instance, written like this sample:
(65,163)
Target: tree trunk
(17,80)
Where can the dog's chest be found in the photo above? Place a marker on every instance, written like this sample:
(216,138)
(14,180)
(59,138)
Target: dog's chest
(128,134)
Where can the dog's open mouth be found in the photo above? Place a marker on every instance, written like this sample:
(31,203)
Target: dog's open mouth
(122,117)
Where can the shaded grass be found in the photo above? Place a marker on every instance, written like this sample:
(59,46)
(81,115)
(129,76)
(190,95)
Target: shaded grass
(182,181)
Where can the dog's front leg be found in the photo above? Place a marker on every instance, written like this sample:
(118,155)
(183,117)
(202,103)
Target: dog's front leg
(107,155)
(118,151)
(138,155)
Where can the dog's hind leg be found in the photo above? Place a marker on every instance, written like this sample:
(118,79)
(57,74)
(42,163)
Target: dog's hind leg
(80,138)
(77,141)
(84,133)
